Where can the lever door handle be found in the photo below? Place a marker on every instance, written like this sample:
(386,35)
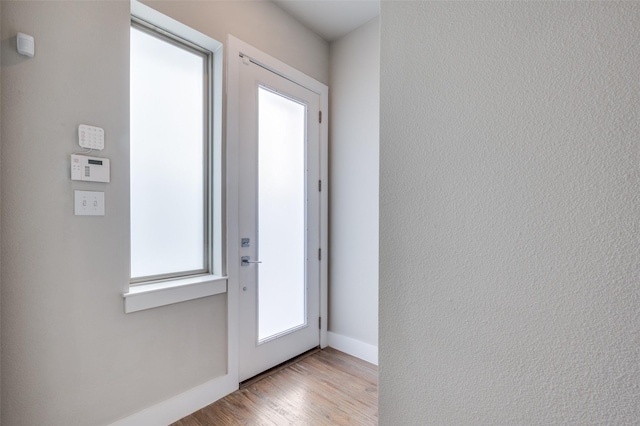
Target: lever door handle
(247,260)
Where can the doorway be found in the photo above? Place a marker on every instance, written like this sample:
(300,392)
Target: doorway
(282,213)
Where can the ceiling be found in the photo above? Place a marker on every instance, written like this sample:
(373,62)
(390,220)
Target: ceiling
(331,19)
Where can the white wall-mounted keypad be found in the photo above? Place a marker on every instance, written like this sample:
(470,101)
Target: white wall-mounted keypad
(91,137)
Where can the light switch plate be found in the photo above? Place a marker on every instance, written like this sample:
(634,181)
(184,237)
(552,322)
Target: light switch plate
(89,203)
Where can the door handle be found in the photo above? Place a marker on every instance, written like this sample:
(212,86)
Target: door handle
(246,260)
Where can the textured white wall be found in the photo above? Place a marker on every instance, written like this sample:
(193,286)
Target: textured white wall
(70,355)
(355,111)
(509,223)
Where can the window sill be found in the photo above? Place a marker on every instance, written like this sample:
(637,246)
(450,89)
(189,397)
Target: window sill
(147,296)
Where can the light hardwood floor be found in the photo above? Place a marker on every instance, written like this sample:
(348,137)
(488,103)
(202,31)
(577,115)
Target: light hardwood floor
(327,387)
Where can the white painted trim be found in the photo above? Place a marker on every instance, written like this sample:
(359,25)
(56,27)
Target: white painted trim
(147,296)
(324,216)
(166,23)
(231,158)
(348,345)
(235,48)
(181,405)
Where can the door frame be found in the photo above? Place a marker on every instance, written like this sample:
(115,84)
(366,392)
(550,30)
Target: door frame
(236,47)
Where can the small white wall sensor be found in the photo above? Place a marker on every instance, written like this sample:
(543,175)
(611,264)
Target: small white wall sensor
(26,45)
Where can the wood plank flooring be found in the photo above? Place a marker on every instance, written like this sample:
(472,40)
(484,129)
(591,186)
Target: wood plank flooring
(327,387)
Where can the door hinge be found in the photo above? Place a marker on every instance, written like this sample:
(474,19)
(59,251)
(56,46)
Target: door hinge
(319,186)
(319,254)
(319,323)
(319,116)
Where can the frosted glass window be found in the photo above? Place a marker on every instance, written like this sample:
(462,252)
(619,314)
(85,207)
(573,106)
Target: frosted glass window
(168,157)
(281,209)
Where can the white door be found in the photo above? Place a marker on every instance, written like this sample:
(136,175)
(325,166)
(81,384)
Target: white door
(279,219)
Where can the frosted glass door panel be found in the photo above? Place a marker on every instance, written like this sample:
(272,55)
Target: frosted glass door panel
(281,214)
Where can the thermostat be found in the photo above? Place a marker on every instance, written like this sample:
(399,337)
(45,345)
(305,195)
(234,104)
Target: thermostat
(92,169)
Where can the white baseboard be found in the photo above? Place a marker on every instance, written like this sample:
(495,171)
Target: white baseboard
(173,409)
(354,347)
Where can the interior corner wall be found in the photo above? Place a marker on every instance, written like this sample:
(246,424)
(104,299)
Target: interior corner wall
(509,213)
(69,353)
(354,145)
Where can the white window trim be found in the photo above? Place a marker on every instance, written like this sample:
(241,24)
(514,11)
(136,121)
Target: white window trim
(162,293)
(147,296)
